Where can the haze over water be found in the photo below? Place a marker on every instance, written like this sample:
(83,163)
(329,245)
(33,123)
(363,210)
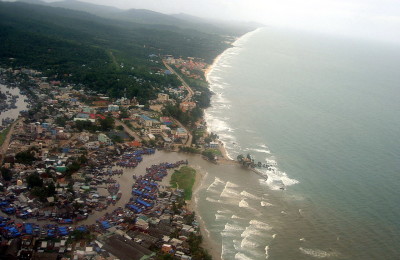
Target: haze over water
(326,111)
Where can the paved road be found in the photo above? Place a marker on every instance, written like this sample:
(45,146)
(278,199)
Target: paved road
(6,143)
(190,91)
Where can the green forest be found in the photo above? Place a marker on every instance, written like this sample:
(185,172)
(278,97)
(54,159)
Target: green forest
(103,54)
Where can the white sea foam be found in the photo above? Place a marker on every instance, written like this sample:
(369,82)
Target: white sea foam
(219,216)
(255,228)
(302,239)
(231,230)
(273,236)
(241,256)
(260,225)
(236,217)
(212,200)
(228,191)
(214,185)
(231,185)
(244,204)
(224,211)
(266,252)
(249,195)
(248,242)
(265,204)
(317,253)
(277,179)
(261,150)
(232,227)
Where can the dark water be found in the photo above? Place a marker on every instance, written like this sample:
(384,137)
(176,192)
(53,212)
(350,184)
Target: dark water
(327,112)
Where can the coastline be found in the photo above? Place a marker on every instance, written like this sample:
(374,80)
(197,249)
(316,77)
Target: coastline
(192,205)
(208,243)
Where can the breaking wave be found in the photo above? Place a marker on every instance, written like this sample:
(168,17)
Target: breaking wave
(317,253)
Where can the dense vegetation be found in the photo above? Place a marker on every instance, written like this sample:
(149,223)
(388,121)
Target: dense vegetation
(103,54)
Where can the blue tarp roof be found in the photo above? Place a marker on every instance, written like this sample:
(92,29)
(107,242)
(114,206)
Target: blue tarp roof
(143,202)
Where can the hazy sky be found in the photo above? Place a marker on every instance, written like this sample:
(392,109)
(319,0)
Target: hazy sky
(366,18)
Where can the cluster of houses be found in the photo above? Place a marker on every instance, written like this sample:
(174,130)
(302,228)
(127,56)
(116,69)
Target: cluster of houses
(191,67)
(56,177)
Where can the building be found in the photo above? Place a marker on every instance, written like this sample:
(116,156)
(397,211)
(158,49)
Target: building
(155,131)
(162,97)
(146,121)
(113,108)
(213,145)
(180,133)
(166,121)
(187,106)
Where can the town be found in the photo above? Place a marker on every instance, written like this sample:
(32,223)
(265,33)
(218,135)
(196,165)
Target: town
(60,163)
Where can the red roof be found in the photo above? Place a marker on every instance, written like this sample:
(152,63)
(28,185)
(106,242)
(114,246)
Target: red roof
(135,144)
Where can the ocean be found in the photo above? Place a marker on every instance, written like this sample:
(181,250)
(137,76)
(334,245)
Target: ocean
(323,112)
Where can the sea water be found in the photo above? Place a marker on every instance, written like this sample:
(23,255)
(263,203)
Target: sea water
(323,112)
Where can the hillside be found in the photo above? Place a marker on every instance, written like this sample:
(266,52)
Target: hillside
(105,54)
(147,17)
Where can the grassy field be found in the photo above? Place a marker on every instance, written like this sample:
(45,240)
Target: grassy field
(184,178)
(3,135)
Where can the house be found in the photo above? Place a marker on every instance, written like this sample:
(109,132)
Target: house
(187,106)
(155,131)
(146,121)
(162,97)
(180,133)
(113,108)
(135,144)
(84,117)
(214,145)
(166,121)
(92,145)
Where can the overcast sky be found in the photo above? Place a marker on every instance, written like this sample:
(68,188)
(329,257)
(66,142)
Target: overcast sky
(365,18)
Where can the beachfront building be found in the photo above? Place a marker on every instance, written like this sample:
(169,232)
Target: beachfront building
(214,145)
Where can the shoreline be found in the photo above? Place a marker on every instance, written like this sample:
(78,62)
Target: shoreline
(207,243)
